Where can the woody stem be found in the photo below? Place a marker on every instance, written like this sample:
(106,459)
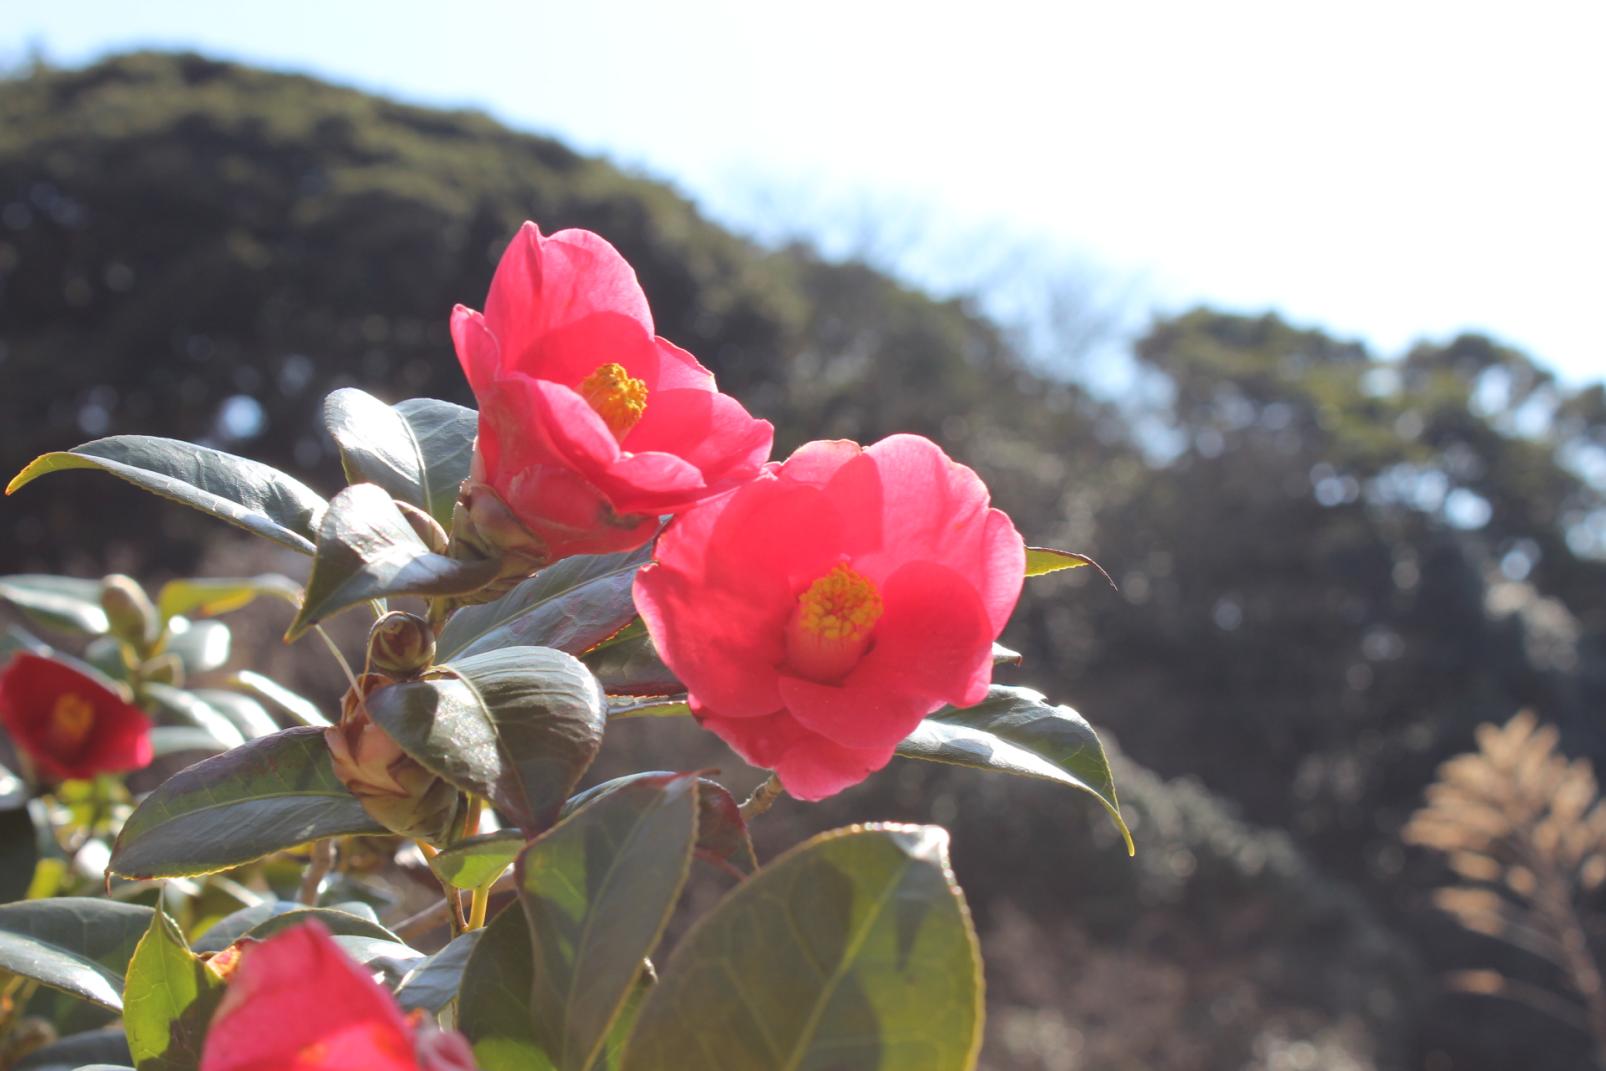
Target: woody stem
(318,867)
(763,797)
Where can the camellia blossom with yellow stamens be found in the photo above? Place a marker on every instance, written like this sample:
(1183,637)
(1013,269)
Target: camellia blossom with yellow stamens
(591,427)
(818,613)
(67,724)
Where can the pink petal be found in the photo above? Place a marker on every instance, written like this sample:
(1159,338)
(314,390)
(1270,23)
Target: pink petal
(809,766)
(544,285)
(476,347)
(932,646)
(726,580)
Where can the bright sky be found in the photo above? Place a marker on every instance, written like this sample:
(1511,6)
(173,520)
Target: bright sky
(1386,170)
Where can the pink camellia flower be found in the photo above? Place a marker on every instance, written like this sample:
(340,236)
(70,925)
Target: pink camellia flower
(68,724)
(591,426)
(296,1002)
(818,613)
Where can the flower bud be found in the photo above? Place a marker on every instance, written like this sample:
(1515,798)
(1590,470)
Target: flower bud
(484,527)
(424,526)
(129,612)
(395,790)
(401,645)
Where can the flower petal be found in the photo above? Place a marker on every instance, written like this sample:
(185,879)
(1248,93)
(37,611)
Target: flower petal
(932,646)
(809,766)
(298,1003)
(726,580)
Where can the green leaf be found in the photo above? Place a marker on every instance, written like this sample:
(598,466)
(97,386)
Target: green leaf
(433,983)
(722,836)
(338,922)
(105,1049)
(243,712)
(77,944)
(1040,561)
(19,852)
(15,639)
(296,707)
(597,891)
(571,606)
(494,997)
(209,597)
(201,646)
(65,603)
(1017,731)
(854,950)
(658,706)
(186,708)
(176,739)
(269,794)
(418,450)
(254,496)
(628,664)
(168,1000)
(721,831)
(367,550)
(518,726)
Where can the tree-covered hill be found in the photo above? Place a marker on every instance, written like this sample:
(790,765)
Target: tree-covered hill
(1331,566)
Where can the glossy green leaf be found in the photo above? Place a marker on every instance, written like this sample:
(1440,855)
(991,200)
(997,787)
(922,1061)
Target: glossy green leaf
(518,726)
(105,1049)
(208,597)
(659,706)
(246,493)
(722,835)
(77,944)
(14,639)
(19,852)
(433,983)
(628,664)
(418,450)
(1017,731)
(597,890)
(177,706)
(367,550)
(201,646)
(1040,561)
(177,739)
(65,603)
(494,996)
(266,795)
(243,712)
(168,1000)
(854,950)
(297,708)
(571,606)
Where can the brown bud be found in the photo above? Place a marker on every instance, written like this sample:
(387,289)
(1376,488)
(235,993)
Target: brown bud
(129,611)
(395,790)
(401,645)
(424,526)
(483,526)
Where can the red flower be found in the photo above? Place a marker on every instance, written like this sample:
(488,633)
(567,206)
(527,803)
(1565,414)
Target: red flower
(296,1002)
(817,614)
(590,425)
(69,725)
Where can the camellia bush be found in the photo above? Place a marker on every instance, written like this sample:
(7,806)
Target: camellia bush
(606,538)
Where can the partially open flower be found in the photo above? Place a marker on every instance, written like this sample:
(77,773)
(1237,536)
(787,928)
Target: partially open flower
(296,1002)
(591,426)
(817,614)
(395,790)
(68,724)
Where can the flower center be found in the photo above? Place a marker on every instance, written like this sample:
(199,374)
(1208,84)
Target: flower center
(71,718)
(618,399)
(830,628)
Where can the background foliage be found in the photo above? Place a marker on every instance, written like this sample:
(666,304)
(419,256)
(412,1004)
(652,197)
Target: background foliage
(1331,566)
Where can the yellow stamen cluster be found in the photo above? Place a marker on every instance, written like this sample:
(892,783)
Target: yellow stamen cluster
(830,628)
(71,718)
(618,399)
(841,605)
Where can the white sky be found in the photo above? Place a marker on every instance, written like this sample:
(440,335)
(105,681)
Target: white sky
(1387,170)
